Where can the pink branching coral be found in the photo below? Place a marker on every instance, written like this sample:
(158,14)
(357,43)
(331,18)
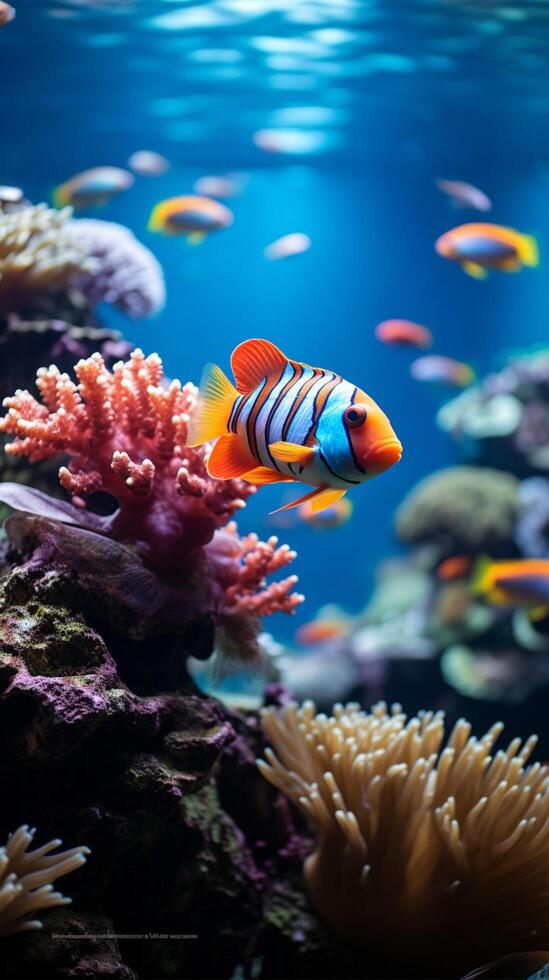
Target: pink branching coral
(125,433)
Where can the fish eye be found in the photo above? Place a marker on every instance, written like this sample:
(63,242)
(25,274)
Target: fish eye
(355,416)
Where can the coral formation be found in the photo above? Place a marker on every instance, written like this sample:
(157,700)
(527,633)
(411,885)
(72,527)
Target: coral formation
(126,274)
(26,879)
(167,546)
(38,255)
(504,420)
(428,843)
(49,260)
(532,526)
(158,780)
(461,509)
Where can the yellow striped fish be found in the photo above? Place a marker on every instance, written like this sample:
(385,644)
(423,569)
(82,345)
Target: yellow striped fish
(287,421)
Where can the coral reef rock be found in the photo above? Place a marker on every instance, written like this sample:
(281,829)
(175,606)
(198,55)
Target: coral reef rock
(462,509)
(126,274)
(38,255)
(504,420)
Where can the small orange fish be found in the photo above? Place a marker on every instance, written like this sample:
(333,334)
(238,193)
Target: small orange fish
(403,333)
(320,631)
(287,421)
(458,566)
(190,215)
(478,247)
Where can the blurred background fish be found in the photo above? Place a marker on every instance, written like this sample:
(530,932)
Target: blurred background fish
(521,582)
(93,188)
(463,195)
(481,247)
(229,185)
(403,333)
(190,215)
(148,163)
(7,13)
(441,370)
(283,248)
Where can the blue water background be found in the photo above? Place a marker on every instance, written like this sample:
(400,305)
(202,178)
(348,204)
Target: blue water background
(462,93)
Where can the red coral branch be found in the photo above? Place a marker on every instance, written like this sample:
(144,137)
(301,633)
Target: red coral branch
(125,433)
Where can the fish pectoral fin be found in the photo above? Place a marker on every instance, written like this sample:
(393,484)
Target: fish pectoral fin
(292,452)
(230,458)
(474,269)
(253,361)
(216,397)
(320,498)
(262,475)
(196,237)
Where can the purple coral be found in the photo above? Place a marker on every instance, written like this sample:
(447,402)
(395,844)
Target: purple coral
(532,526)
(126,273)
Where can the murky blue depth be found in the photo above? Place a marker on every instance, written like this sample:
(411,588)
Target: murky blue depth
(381,98)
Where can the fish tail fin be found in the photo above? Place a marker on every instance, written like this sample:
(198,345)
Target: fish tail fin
(60,197)
(474,270)
(479,578)
(216,397)
(529,251)
(157,218)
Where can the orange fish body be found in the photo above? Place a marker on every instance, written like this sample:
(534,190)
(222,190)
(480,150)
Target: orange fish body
(458,566)
(191,215)
(320,631)
(287,421)
(512,583)
(480,246)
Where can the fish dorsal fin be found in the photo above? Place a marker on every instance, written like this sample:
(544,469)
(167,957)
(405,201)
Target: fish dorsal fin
(254,360)
(230,458)
(320,498)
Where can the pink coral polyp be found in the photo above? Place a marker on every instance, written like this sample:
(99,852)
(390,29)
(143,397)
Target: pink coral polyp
(125,433)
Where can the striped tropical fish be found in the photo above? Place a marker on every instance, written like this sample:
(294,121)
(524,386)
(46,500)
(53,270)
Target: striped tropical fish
(287,421)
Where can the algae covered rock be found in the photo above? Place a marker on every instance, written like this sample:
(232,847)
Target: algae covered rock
(109,744)
(462,509)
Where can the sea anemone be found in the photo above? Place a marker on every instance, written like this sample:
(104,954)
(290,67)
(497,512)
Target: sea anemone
(38,254)
(445,848)
(26,879)
(167,547)
(126,273)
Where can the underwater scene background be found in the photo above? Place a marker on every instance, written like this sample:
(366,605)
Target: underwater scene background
(141,632)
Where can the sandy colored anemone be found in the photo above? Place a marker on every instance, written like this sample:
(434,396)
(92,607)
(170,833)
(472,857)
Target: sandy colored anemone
(38,254)
(434,854)
(26,879)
